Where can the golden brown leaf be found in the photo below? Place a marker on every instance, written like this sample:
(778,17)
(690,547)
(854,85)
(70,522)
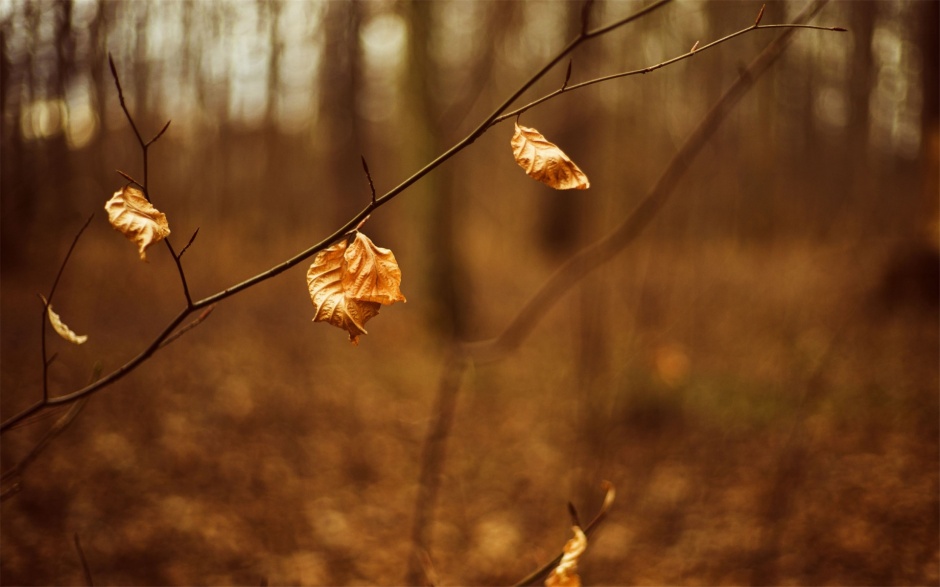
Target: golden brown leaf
(60,327)
(131,214)
(566,573)
(544,161)
(349,281)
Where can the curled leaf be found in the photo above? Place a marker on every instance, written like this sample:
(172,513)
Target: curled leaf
(60,327)
(130,213)
(544,161)
(349,281)
(566,573)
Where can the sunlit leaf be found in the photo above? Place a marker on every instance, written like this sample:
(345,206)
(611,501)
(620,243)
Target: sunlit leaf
(544,161)
(566,573)
(349,281)
(60,327)
(131,214)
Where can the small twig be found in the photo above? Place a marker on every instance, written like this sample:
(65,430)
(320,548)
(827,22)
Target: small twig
(85,568)
(159,134)
(130,179)
(760,14)
(567,76)
(54,431)
(205,314)
(365,167)
(45,310)
(644,70)
(575,520)
(191,239)
(117,82)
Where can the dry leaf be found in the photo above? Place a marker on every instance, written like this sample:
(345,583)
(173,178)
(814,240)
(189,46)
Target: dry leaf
(130,213)
(566,573)
(349,281)
(60,327)
(544,161)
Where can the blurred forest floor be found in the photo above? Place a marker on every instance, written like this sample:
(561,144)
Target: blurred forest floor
(764,418)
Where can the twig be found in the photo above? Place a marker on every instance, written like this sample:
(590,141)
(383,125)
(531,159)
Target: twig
(191,239)
(85,568)
(365,167)
(644,70)
(54,431)
(45,309)
(205,314)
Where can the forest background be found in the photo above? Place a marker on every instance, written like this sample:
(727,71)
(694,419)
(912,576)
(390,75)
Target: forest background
(757,374)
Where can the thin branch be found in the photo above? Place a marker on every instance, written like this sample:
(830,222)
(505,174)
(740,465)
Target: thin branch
(199,319)
(644,70)
(191,239)
(117,82)
(45,309)
(180,271)
(365,167)
(54,431)
(159,134)
(339,233)
(130,179)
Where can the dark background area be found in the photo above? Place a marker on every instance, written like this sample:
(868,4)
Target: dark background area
(757,374)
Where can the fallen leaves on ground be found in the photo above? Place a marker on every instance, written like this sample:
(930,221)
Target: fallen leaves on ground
(349,281)
(544,161)
(130,213)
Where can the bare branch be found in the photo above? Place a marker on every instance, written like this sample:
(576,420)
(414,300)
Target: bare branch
(159,134)
(199,319)
(45,308)
(365,167)
(191,239)
(644,70)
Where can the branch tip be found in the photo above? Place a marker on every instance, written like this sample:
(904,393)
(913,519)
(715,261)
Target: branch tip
(694,47)
(567,76)
(573,512)
(159,134)
(760,14)
(365,167)
(191,239)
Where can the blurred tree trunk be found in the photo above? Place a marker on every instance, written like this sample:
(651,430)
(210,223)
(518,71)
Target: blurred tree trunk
(340,86)
(929,19)
(446,283)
